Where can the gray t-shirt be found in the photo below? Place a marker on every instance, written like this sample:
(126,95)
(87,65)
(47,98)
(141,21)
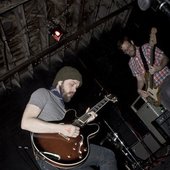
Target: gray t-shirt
(52,107)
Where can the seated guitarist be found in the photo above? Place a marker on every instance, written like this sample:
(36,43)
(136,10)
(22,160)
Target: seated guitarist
(159,69)
(48,105)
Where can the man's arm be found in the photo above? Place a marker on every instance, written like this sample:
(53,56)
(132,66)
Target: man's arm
(32,123)
(163,63)
(140,85)
(140,82)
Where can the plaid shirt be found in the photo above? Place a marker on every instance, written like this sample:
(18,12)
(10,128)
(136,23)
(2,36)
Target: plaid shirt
(137,67)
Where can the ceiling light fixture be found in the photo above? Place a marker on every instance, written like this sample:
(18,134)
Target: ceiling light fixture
(55,30)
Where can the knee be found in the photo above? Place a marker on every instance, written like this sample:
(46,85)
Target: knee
(110,155)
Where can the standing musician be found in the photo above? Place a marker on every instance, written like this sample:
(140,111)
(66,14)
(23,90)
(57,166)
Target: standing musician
(48,105)
(159,70)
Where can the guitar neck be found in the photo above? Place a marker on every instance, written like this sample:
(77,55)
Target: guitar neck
(151,80)
(100,105)
(152,55)
(152,43)
(83,119)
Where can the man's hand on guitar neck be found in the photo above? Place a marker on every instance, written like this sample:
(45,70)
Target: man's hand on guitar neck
(92,114)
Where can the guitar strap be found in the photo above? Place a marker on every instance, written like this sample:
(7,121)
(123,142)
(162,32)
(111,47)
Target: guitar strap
(144,59)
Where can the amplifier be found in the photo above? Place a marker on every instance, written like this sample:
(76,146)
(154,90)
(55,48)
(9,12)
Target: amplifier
(148,113)
(145,148)
(162,123)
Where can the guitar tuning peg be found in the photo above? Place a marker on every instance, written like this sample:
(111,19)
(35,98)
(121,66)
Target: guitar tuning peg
(115,99)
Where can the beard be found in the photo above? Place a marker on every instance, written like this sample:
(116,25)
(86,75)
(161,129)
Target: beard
(67,96)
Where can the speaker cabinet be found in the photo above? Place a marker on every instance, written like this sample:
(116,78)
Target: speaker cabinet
(146,147)
(148,113)
(162,123)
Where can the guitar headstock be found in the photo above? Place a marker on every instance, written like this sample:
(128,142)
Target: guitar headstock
(153,40)
(112,98)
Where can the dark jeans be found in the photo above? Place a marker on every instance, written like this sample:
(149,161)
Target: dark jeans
(100,157)
(165,93)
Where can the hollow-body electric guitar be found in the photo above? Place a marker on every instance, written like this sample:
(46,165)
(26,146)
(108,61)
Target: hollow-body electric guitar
(66,152)
(150,88)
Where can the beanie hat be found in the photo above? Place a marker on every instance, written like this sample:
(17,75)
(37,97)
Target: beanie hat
(67,72)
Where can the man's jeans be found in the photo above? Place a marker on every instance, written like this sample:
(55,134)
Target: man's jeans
(100,157)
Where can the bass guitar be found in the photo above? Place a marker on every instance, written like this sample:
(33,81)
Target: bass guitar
(65,152)
(153,91)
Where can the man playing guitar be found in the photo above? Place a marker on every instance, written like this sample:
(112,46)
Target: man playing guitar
(158,69)
(63,145)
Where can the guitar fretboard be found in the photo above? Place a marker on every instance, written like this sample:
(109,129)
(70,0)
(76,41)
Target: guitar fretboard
(83,119)
(100,105)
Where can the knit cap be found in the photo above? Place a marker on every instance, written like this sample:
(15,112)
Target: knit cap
(67,72)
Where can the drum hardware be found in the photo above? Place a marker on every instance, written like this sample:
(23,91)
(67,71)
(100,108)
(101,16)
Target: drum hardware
(118,143)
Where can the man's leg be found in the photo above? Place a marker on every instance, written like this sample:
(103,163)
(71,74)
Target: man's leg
(45,166)
(100,157)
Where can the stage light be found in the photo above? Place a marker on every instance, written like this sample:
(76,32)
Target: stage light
(56,32)
(57,35)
